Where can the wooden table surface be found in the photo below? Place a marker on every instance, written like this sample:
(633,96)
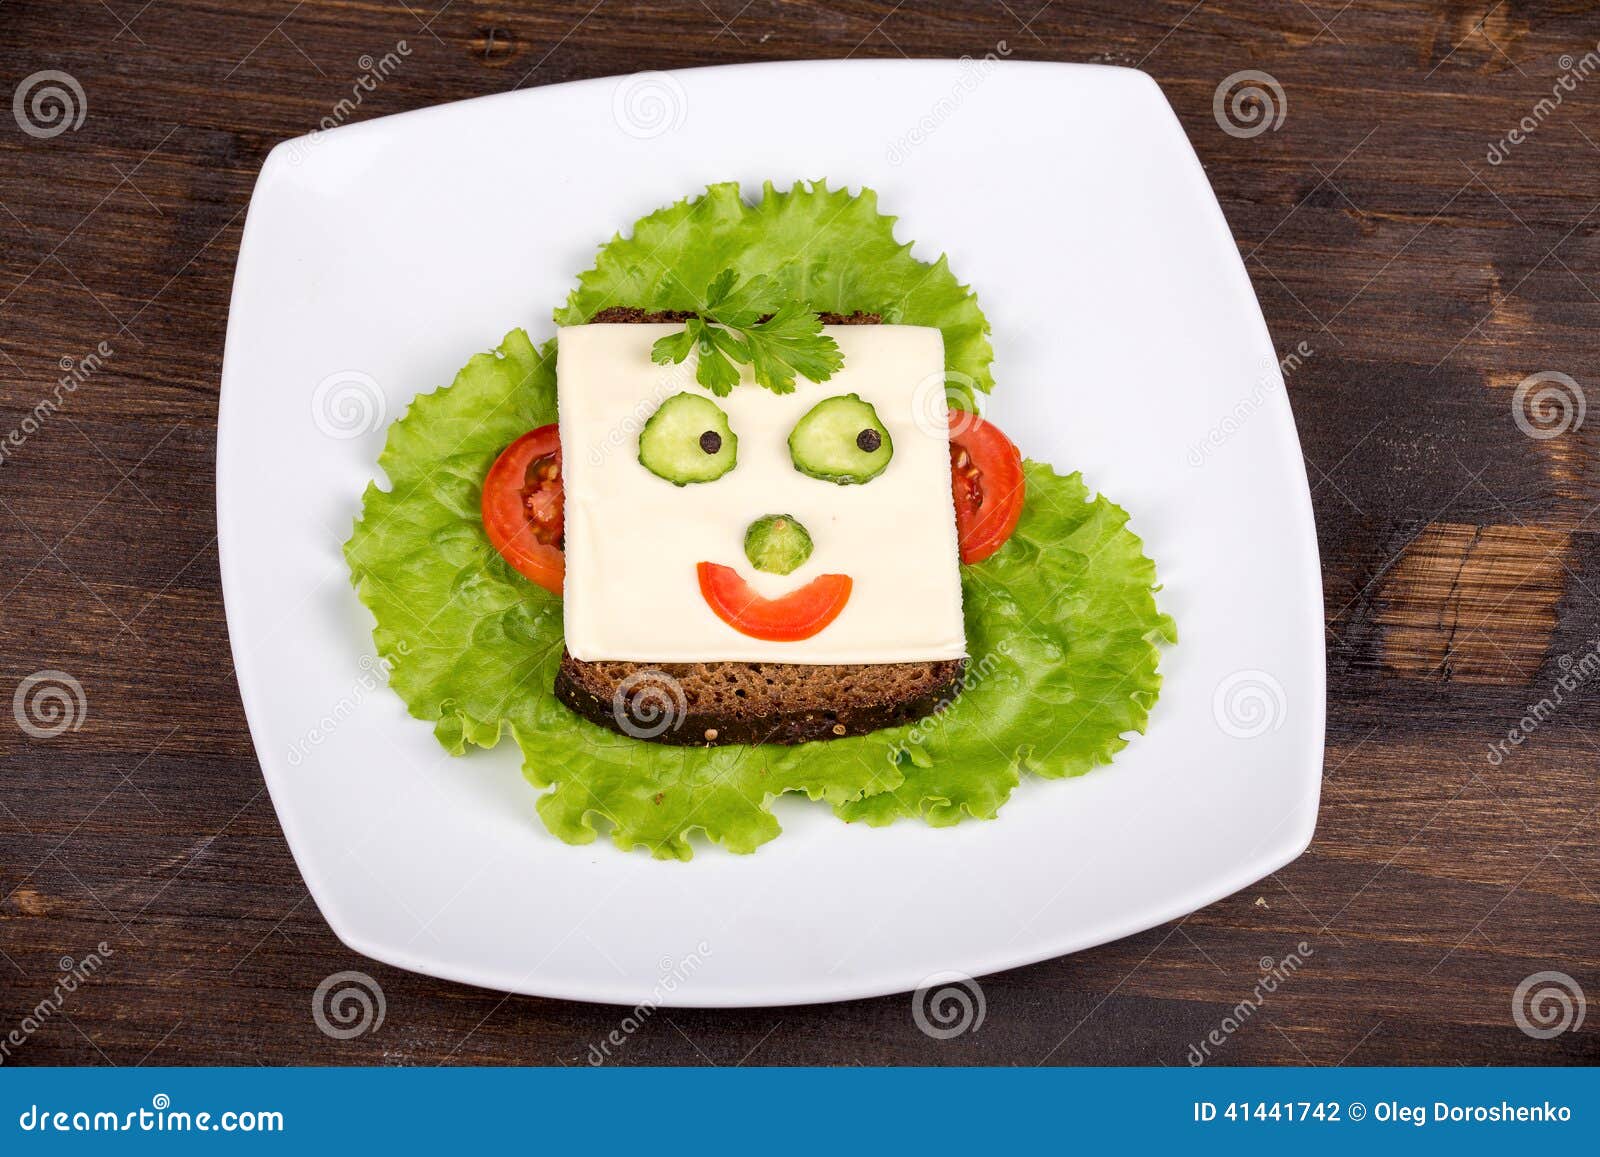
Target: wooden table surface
(1430,260)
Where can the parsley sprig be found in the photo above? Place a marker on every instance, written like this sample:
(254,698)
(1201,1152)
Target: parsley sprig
(729,333)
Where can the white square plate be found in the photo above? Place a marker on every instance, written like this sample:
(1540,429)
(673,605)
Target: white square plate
(377,258)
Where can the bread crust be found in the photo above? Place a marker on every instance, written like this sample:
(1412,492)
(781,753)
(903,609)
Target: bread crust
(627,314)
(712,704)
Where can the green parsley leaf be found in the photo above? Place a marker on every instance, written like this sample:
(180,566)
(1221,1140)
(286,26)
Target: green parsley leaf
(743,306)
(729,333)
(716,370)
(792,342)
(717,289)
(675,346)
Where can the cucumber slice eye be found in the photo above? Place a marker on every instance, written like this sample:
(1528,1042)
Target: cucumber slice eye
(688,440)
(777,543)
(841,440)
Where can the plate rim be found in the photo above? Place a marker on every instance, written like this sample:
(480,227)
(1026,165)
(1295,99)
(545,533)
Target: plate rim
(885,981)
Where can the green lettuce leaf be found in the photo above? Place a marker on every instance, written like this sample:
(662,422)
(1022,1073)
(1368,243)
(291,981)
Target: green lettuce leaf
(1063,632)
(813,244)
(1061,623)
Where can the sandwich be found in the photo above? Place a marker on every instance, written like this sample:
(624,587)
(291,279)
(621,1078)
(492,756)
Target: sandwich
(747,565)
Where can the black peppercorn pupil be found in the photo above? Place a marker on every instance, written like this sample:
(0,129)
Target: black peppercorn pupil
(869,440)
(711,441)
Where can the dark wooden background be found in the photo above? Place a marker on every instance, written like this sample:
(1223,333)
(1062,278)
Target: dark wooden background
(1460,556)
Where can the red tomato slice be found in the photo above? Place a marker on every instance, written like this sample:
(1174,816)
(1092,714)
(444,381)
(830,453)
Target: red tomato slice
(986,475)
(523,507)
(797,615)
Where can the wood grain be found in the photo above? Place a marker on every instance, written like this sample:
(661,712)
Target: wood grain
(1427,279)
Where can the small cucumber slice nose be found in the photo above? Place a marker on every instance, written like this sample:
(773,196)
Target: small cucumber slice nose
(777,543)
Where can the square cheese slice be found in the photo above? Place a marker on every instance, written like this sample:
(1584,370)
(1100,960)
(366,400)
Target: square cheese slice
(633,540)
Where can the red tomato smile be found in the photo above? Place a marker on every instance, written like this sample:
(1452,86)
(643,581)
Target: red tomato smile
(796,615)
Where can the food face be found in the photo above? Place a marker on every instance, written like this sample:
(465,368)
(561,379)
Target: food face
(810,527)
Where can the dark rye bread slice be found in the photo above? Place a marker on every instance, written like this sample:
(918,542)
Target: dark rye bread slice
(709,704)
